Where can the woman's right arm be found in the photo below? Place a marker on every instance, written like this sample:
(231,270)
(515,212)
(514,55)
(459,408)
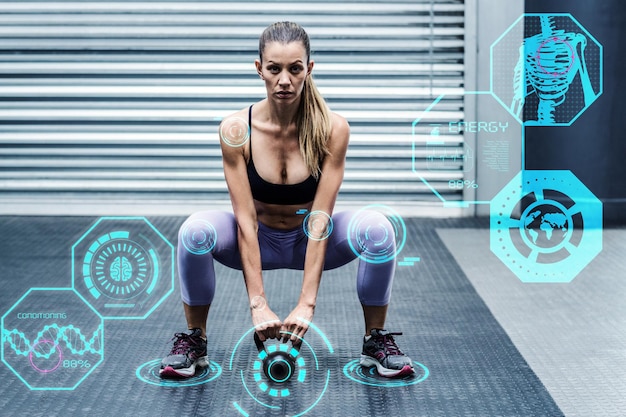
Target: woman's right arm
(267,324)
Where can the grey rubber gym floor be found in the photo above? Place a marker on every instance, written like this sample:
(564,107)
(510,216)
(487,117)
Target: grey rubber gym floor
(486,347)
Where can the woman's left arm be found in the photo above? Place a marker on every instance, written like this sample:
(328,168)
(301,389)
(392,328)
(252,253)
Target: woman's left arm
(328,188)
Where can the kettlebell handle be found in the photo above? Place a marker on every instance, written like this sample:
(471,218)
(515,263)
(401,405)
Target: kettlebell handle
(259,345)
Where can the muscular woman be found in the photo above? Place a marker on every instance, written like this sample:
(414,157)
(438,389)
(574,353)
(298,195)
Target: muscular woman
(293,162)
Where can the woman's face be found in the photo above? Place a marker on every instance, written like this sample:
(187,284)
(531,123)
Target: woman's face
(284,69)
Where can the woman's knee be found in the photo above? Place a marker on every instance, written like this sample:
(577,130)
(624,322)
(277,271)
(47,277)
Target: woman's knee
(373,231)
(199,234)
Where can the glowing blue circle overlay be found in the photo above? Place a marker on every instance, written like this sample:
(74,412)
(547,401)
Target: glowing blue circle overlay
(118,267)
(310,233)
(368,376)
(234,131)
(507,226)
(198,236)
(281,394)
(275,379)
(371,241)
(149,373)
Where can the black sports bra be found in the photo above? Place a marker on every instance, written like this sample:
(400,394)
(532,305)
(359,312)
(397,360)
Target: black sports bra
(267,192)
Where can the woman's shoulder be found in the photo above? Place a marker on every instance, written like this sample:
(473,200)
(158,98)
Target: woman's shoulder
(234,131)
(339,125)
(240,114)
(243,113)
(338,120)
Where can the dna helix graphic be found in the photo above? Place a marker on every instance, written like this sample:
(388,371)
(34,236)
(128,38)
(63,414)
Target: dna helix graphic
(53,335)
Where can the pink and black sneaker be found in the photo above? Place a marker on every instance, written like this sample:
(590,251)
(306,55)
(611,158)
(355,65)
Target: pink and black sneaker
(189,351)
(381,351)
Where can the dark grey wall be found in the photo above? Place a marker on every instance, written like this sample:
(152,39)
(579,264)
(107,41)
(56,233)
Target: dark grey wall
(594,146)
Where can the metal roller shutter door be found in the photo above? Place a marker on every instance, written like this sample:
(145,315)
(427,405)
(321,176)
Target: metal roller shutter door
(117,103)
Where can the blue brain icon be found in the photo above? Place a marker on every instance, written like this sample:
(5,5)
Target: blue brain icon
(121,269)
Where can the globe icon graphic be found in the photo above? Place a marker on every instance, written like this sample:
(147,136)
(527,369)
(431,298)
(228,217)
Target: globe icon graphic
(546,226)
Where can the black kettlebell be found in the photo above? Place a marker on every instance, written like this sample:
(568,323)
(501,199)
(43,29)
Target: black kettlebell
(278,366)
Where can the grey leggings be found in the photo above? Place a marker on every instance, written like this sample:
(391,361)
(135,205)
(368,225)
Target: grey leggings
(283,249)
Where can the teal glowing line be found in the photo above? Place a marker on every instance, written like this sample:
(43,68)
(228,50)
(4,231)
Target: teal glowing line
(232,355)
(123,218)
(95,293)
(88,281)
(455,204)
(307,345)
(317,329)
(406,263)
(464,204)
(301,375)
(523,156)
(122,234)
(94,246)
(318,398)
(388,384)
(412,259)
(238,408)
(509,223)
(269,369)
(429,108)
(151,377)
(63,333)
(253,397)
(415,122)
(155,274)
(311,325)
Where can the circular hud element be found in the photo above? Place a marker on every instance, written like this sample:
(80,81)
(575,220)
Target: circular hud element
(45,356)
(198,236)
(278,370)
(118,267)
(234,131)
(317,225)
(123,267)
(368,376)
(376,233)
(149,373)
(546,226)
(295,388)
